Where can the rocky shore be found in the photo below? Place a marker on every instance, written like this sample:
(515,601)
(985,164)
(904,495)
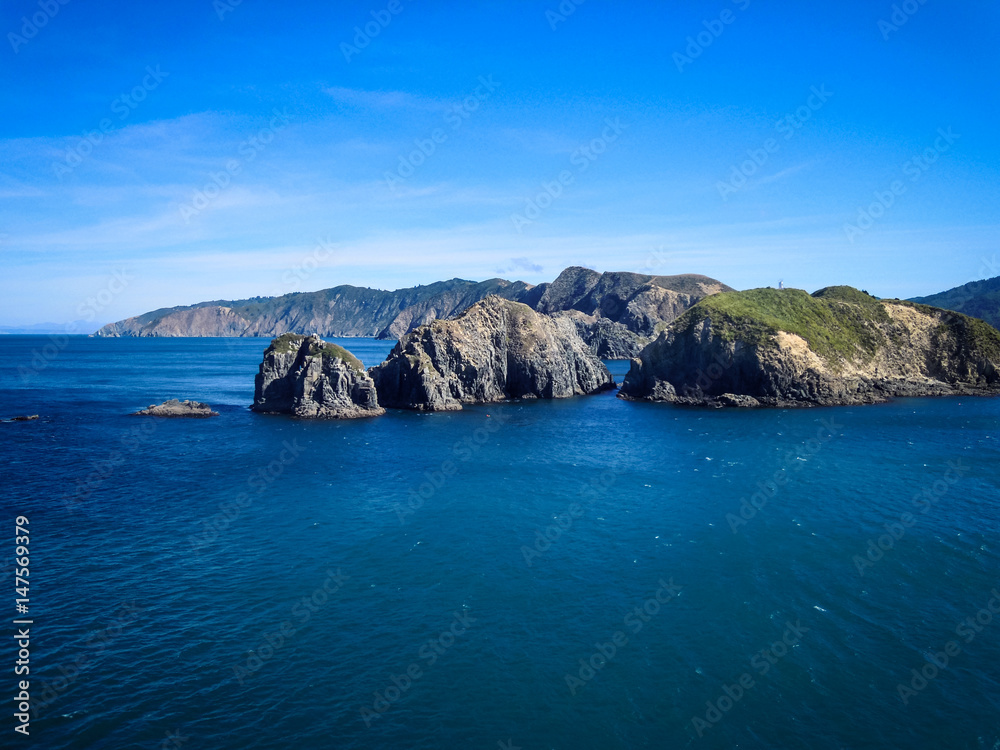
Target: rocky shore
(176,408)
(308,377)
(495,351)
(769,347)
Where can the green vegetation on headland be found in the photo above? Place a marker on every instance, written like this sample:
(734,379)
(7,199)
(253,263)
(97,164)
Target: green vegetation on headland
(289,343)
(839,323)
(979,299)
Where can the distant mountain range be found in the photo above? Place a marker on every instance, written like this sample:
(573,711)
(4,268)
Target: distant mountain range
(980,299)
(615,312)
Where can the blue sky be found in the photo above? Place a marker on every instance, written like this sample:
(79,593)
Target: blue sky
(272,149)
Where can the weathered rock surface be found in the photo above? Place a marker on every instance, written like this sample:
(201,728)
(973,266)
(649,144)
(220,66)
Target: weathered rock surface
(641,305)
(308,377)
(618,313)
(606,339)
(494,351)
(175,408)
(838,346)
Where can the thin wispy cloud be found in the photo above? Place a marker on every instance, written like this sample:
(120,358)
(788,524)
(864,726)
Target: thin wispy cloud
(383,99)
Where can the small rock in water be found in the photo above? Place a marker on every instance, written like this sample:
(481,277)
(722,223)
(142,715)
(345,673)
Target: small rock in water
(176,408)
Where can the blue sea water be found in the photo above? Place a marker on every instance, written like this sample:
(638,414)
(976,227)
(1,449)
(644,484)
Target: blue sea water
(536,575)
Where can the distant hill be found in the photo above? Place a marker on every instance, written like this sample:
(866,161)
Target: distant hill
(616,312)
(340,311)
(980,299)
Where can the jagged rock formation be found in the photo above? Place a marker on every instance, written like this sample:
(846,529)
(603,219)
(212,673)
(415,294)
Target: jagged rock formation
(607,339)
(618,313)
(494,351)
(176,408)
(979,299)
(307,377)
(340,311)
(839,346)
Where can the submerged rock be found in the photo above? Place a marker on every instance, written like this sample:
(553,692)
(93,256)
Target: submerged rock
(494,351)
(308,377)
(21,418)
(176,408)
(775,347)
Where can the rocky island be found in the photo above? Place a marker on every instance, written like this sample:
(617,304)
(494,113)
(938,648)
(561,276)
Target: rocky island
(771,347)
(308,377)
(494,351)
(176,408)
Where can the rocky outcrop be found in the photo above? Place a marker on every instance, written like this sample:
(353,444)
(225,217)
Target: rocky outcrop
(838,346)
(495,351)
(606,339)
(618,313)
(640,304)
(308,377)
(176,408)
(21,418)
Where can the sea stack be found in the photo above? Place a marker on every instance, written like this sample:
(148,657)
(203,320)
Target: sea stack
(308,377)
(771,347)
(496,350)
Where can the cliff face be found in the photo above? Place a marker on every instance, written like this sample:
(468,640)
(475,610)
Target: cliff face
(307,377)
(784,347)
(340,311)
(638,305)
(494,351)
(615,313)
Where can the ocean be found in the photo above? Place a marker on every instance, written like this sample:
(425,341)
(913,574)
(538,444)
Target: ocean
(576,574)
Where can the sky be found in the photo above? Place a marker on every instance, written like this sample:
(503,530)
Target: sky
(160,154)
